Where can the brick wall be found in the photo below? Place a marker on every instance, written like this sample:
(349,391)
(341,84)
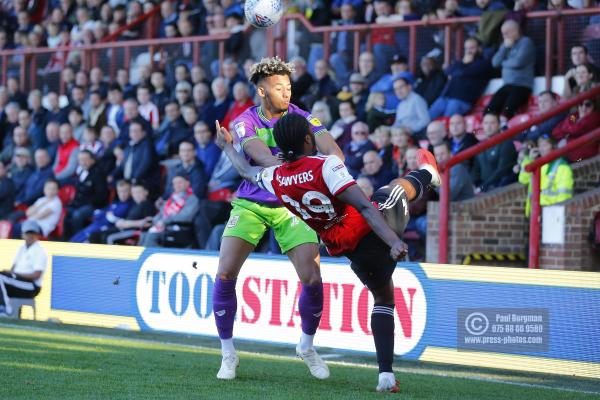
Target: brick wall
(495,223)
(576,253)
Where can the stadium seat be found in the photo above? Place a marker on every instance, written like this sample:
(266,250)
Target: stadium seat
(60,227)
(445,120)
(473,123)
(66,194)
(481,104)
(5,229)
(558,84)
(518,119)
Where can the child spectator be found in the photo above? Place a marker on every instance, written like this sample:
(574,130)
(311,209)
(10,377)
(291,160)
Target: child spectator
(105,218)
(90,142)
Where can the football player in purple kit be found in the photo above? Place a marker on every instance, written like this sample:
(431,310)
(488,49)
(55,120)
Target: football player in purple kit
(255,210)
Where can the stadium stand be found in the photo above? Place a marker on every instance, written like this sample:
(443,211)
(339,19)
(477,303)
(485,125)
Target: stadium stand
(128,82)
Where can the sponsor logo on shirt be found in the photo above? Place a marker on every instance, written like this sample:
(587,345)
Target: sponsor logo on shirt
(240,129)
(233,221)
(314,121)
(337,167)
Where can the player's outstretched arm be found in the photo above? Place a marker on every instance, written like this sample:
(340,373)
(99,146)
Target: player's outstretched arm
(243,167)
(357,199)
(327,145)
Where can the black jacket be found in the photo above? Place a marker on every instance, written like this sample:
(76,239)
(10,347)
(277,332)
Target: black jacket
(144,166)
(92,190)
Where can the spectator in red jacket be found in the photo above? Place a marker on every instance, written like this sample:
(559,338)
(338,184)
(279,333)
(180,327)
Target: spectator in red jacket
(586,119)
(65,162)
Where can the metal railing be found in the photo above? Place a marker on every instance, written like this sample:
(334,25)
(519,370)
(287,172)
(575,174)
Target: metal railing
(535,167)
(149,19)
(554,32)
(482,146)
(110,56)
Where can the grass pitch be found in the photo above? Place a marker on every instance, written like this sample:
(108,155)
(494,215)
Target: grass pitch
(47,361)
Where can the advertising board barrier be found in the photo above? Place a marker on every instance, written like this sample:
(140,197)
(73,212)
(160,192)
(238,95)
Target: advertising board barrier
(527,320)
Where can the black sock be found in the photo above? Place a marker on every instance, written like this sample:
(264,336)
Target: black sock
(419,179)
(382,325)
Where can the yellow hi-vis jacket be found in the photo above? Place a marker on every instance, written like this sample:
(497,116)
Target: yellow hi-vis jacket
(556,182)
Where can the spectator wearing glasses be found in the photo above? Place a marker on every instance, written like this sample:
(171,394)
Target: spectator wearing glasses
(584,120)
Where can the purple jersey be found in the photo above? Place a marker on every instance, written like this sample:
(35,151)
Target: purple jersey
(253,124)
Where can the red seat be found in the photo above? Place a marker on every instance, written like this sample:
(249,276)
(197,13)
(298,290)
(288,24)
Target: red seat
(518,119)
(60,227)
(5,229)
(473,123)
(66,194)
(481,104)
(445,120)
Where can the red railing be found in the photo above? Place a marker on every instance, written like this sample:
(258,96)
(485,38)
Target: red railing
(482,146)
(150,28)
(90,54)
(535,168)
(554,33)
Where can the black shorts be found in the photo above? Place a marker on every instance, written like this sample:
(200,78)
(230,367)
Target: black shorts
(371,261)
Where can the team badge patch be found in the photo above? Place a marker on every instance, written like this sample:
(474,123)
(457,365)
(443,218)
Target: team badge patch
(233,221)
(314,121)
(240,129)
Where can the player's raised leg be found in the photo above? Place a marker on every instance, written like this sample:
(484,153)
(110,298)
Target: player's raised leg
(393,198)
(234,252)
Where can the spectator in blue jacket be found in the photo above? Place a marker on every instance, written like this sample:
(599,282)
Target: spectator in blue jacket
(171,132)
(547,100)
(461,185)
(493,168)
(140,162)
(190,167)
(131,115)
(105,218)
(34,186)
(354,151)
(219,106)
(374,170)
(21,169)
(481,7)
(516,57)
(467,79)
(52,139)
(207,150)
(385,84)
(412,111)
(7,192)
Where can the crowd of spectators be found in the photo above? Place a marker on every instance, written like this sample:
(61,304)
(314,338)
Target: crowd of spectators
(132,159)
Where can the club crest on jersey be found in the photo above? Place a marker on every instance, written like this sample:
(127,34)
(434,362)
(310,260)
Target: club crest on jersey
(240,129)
(314,121)
(233,221)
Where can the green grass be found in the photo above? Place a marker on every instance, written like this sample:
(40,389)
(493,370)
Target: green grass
(46,361)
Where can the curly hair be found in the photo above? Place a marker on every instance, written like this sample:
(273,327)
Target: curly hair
(268,67)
